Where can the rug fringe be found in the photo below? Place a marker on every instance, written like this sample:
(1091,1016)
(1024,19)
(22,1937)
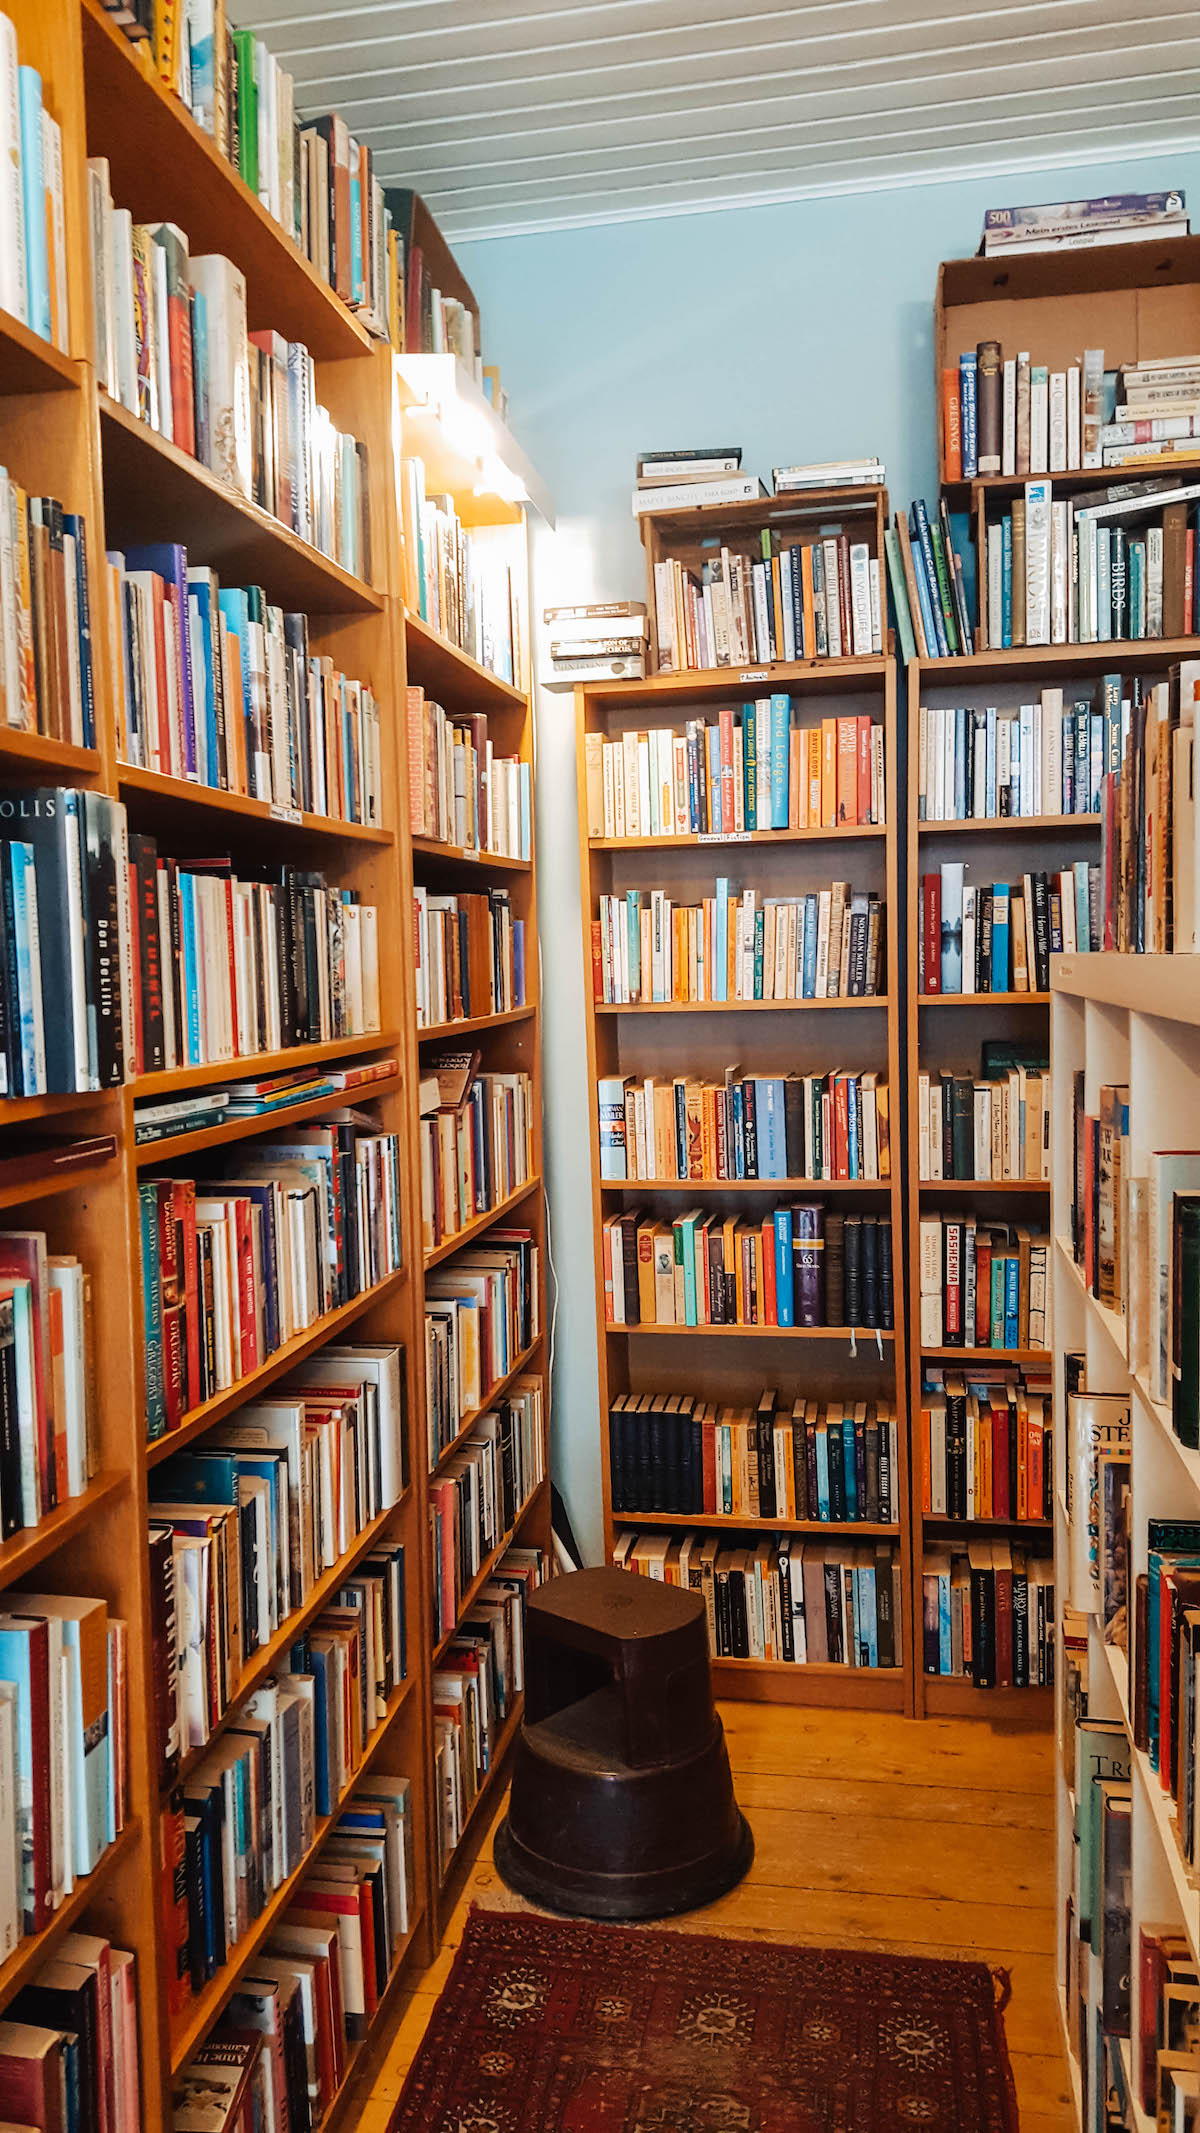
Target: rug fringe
(1001,1986)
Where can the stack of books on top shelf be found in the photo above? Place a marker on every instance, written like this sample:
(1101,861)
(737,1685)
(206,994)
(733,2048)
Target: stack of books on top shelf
(829,474)
(928,590)
(173,347)
(605,641)
(47,1388)
(1148,855)
(271,1096)
(33,242)
(1073,225)
(833,1461)
(1108,563)
(692,478)
(755,766)
(793,1603)
(1003,415)
(69,2043)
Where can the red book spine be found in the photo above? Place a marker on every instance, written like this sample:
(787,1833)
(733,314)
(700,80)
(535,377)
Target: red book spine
(983,1292)
(1189,581)
(233,1013)
(39,1725)
(865,808)
(932,932)
(366,1917)
(1035,1478)
(183,391)
(1001,1437)
(246,1298)
(1151,1976)
(185,1217)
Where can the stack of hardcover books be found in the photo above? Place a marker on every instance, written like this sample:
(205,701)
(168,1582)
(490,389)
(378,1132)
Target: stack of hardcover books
(692,478)
(603,641)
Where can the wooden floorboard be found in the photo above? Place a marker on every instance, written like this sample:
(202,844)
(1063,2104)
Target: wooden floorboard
(871,1832)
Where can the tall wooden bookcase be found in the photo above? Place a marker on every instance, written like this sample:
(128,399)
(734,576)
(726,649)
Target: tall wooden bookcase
(734,1363)
(61,435)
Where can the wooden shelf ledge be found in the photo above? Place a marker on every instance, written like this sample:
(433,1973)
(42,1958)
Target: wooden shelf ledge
(226,1131)
(470,1025)
(36,1948)
(256,1066)
(443,669)
(472,1231)
(177,797)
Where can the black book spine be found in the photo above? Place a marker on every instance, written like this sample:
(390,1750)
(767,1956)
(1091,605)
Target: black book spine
(887,1315)
(986,904)
(1041,933)
(833,1613)
(793,1118)
(101,843)
(10,1009)
(852,1254)
(39,817)
(784,1575)
(885,1472)
(835,1439)
(11,1519)
(885,1627)
(633,1308)
(643,1477)
(766,1463)
(800,1468)
(870,1270)
(661,1479)
(617,1485)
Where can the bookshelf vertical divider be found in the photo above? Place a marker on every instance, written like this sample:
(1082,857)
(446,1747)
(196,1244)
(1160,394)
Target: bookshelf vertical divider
(735,1363)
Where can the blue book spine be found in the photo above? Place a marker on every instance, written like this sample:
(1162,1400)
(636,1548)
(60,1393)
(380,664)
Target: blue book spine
(961,810)
(822,1437)
(33,185)
(716,797)
(1083,760)
(945,1640)
(1006,582)
(21,867)
(1068,762)
(156,1408)
(809,978)
(849,1469)
(869,1632)
(721,973)
(1097,759)
(781,719)
(772,1140)
(784,1294)
(1000,904)
(200,374)
(191,975)
(927,605)
(925,546)
(967,366)
(689,1269)
(1012,1299)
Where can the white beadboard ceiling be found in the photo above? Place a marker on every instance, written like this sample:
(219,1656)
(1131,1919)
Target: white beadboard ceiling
(544,116)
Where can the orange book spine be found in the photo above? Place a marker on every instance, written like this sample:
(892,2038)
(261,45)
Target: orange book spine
(951,426)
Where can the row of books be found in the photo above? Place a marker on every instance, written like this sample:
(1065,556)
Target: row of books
(64,1735)
(464,582)
(64,915)
(482,1314)
(1099,1944)
(801,1266)
(479,1494)
(928,588)
(69,2043)
(782,597)
(475,1687)
(992,1129)
(476,1142)
(227,968)
(281,2052)
(242,1821)
(986,1445)
(794,1603)
(254,1515)
(1164,1634)
(173,348)
(201,1110)
(982,1285)
(988,1616)
(757,766)
(738,945)
(315,180)
(832,1461)
(1113,563)
(215,684)
(47,667)
(47,1379)
(460,791)
(1166,2054)
(1071,225)
(1148,850)
(470,955)
(999,936)
(33,238)
(1003,414)
(984,765)
(832,1126)
(239,1261)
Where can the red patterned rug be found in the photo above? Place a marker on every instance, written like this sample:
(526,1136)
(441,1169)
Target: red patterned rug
(555,2026)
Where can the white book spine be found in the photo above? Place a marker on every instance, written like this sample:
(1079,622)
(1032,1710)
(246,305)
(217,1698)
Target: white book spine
(121,297)
(1037,562)
(13,293)
(1059,542)
(1039,421)
(224,290)
(1058,421)
(1074,418)
(860,598)
(1008,431)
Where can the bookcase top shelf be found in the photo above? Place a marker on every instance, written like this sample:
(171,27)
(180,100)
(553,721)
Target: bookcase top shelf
(153,491)
(166,168)
(805,507)
(1167,263)
(1060,658)
(443,671)
(841,832)
(815,676)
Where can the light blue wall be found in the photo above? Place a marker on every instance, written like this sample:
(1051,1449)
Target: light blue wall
(798,331)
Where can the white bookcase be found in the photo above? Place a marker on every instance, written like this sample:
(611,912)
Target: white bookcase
(1132,1020)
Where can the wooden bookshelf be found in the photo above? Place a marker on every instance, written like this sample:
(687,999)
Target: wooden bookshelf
(947,1030)
(732,1363)
(61,436)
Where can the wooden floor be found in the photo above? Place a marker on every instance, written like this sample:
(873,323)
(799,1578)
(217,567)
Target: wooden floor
(873,1832)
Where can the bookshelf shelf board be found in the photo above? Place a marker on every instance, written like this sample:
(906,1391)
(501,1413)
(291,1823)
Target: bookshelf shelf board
(731,1521)
(1112,1321)
(951,1696)
(469,1025)
(154,491)
(1069,481)
(28,364)
(985,665)
(266,1659)
(975,1186)
(27,1549)
(843,1687)
(851,499)
(49,1183)
(204,2006)
(40,751)
(1007,826)
(441,669)
(21,1110)
(807,676)
(840,833)
(1164,985)
(944,1522)
(760,1333)
(227,1131)
(1159,1413)
(474,1229)
(486,1570)
(503,1742)
(184,797)
(165,167)
(254,1066)
(771,1186)
(496,1392)
(841,1005)
(1142,2121)
(1039,1357)
(432,848)
(36,1948)
(982,999)
(305,1344)
(1162,1811)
